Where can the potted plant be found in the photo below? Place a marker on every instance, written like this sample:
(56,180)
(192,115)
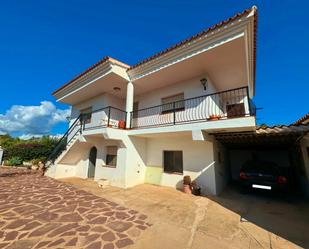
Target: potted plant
(35,164)
(122,124)
(187,185)
(42,168)
(196,189)
(214,117)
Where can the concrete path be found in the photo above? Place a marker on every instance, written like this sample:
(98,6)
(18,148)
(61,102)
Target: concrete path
(39,212)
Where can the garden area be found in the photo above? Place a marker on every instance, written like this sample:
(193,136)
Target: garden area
(29,153)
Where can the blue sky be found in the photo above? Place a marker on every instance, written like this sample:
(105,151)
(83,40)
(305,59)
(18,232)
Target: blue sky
(45,43)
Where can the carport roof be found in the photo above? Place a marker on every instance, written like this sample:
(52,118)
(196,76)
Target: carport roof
(303,120)
(293,129)
(280,135)
(282,129)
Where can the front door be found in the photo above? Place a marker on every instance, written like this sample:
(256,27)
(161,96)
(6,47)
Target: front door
(92,161)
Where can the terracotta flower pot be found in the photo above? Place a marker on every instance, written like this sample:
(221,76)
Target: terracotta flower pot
(34,167)
(196,190)
(187,189)
(187,180)
(121,124)
(214,117)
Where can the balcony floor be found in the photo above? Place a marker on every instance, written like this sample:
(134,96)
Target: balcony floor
(225,125)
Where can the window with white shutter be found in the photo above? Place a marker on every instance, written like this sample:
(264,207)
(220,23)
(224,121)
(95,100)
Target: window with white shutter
(171,102)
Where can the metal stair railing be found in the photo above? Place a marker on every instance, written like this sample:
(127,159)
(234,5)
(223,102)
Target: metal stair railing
(65,140)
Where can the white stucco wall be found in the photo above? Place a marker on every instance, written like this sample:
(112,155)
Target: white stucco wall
(64,170)
(140,160)
(195,109)
(116,176)
(100,117)
(221,166)
(198,161)
(191,88)
(76,161)
(135,161)
(131,157)
(98,102)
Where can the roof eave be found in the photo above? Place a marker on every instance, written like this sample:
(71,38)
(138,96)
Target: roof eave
(249,12)
(106,59)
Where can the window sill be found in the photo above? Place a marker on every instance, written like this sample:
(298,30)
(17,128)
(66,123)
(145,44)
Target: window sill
(173,173)
(108,166)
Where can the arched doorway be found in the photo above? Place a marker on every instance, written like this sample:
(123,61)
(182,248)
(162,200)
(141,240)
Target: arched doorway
(92,162)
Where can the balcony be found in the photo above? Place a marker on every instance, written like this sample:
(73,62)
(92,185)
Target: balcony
(223,105)
(101,118)
(106,117)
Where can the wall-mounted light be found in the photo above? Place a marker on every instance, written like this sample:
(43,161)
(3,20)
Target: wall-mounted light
(204,83)
(117,89)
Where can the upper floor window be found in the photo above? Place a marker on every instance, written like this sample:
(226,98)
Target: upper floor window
(111,155)
(173,103)
(86,115)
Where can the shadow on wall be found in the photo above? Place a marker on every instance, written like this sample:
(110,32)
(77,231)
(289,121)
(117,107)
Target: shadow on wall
(205,178)
(79,151)
(272,212)
(139,146)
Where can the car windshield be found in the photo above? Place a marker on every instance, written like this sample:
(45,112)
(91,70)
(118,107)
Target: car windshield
(261,167)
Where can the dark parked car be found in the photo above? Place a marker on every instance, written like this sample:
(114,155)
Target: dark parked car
(265,175)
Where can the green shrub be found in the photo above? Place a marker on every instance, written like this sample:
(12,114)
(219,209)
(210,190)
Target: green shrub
(36,161)
(42,159)
(27,150)
(14,161)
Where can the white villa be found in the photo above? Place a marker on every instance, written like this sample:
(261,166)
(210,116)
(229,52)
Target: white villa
(154,122)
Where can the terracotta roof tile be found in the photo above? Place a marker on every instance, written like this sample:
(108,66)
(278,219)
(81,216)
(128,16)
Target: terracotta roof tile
(282,129)
(202,33)
(302,119)
(106,58)
(276,130)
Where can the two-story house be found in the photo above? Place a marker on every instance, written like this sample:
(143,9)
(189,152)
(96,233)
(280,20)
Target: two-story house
(152,122)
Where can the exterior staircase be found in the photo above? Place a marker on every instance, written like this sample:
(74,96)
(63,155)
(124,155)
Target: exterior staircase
(65,143)
(68,147)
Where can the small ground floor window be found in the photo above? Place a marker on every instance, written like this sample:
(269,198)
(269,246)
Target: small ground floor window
(173,162)
(111,156)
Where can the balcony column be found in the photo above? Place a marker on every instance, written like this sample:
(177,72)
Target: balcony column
(129,102)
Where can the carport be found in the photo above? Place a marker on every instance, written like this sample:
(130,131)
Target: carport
(287,146)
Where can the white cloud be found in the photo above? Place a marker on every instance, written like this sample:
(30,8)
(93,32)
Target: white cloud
(29,136)
(29,121)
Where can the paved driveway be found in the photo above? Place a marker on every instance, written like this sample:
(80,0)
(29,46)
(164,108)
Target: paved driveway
(39,212)
(231,220)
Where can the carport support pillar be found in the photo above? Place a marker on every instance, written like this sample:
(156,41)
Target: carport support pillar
(129,103)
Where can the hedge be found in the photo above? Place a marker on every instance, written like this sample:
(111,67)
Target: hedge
(27,150)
